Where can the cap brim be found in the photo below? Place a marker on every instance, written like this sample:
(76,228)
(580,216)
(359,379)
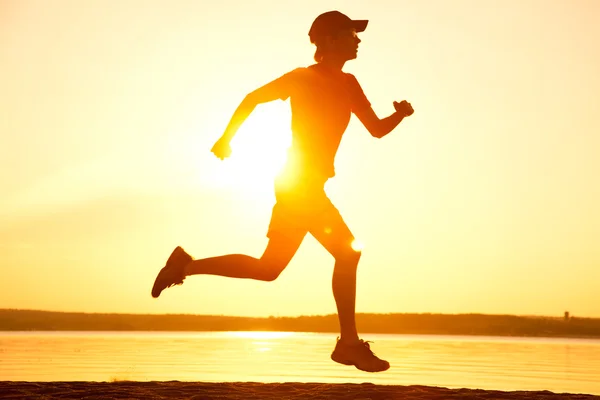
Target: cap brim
(359,25)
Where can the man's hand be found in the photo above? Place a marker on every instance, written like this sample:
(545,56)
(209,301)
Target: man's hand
(221,149)
(404,108)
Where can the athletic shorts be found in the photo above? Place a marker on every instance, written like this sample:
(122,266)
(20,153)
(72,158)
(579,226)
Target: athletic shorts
(303,208)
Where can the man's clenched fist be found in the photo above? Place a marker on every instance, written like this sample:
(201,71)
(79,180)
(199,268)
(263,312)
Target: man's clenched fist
(404,107)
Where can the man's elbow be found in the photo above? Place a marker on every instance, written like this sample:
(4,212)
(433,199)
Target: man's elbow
(377,132)
(249,102)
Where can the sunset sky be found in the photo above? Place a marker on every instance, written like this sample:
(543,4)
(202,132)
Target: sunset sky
(486,200)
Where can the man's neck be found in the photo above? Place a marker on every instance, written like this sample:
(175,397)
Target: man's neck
(333,63)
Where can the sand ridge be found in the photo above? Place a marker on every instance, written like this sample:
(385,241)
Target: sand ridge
(253,390)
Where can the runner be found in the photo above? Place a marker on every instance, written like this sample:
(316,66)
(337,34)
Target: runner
(322,98)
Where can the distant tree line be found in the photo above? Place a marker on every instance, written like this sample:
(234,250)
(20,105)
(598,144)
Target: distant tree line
(439,324)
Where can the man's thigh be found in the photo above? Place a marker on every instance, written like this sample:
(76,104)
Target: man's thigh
(286,223)
(296,213)
(330,229)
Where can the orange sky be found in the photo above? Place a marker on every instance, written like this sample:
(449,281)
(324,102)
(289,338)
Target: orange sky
(486,200)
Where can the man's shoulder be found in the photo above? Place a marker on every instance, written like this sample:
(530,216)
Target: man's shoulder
(316,69)
(350,77)
(294,75)
(299,71)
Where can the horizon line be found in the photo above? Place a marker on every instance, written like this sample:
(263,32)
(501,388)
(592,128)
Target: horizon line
(301,315)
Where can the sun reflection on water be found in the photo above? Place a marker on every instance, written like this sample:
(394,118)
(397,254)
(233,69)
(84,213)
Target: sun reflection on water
(260,334)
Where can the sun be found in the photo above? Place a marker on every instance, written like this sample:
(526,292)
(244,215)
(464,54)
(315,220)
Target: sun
(259,151)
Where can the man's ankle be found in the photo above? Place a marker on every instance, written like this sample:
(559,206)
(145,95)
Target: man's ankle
(186,269)
(349,339)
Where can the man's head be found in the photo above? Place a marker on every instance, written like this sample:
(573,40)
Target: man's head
(336,34)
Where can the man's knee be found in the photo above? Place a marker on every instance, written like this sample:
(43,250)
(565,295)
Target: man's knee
(348,256)
(277,255)
(271,269)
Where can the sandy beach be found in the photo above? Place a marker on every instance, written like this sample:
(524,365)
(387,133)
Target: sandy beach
(250,390)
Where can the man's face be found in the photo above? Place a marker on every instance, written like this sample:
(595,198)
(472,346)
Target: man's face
(343,45)
(346,44)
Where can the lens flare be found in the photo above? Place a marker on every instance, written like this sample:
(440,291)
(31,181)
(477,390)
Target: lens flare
(357,245)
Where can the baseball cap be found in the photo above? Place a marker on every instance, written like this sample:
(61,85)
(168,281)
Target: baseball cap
(331,22)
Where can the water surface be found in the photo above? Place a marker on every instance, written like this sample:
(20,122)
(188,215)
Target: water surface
(501,363)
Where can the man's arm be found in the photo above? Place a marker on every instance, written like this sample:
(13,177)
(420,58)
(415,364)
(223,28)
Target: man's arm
(277,89)
(380,127)
(240,115)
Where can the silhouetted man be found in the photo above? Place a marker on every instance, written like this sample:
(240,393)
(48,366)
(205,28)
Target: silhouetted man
(322,98)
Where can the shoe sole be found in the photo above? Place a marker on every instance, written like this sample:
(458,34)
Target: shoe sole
(170,261)
(155,292)
(348,362)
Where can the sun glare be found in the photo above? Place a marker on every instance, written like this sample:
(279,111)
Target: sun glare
(258,151)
